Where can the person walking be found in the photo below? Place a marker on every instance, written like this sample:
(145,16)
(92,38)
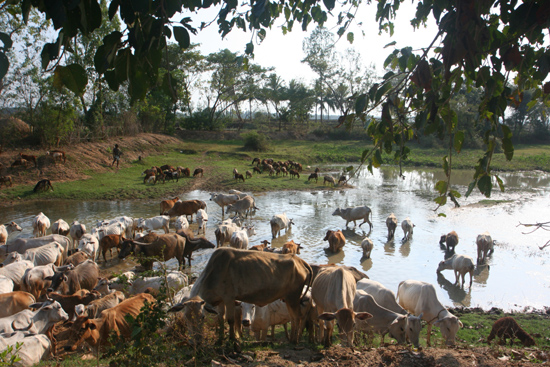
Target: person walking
(116,155)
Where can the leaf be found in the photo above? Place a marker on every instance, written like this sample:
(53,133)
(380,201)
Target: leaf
(110,77)
(446,167)
(485,185)
(182,37)
(113,8)
(136,330)
(6,40)
(249,48)
(441,200)
(500,183)
(442,215)
(4,65)
(391,44)
(329,4)
(349,169)
(364,155)
(441,187)
(377,159)
(508,148)
(361,103)
(350,37)
(71,76)
(458,141)
(471,187)
(382,90)
(456,194)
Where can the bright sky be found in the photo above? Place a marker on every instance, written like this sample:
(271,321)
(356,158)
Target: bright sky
(284,52)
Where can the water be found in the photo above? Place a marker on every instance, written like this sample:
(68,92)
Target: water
(516,275)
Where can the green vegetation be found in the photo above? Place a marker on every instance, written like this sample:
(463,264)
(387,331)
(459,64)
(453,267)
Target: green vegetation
(218,158)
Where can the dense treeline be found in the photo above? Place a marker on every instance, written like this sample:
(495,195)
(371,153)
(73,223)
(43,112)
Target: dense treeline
(222,90)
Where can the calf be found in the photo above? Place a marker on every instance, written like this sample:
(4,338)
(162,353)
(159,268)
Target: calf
(367,247)
(507,327)
(40,225)
(248,174)
(336,240)
(110,241)
(291,247)
(28,158)
(57,155)
(239,176)
(407,227)
(202,220)
(449,240)
(260,319)
(485,246)
(61,227)
(329,179)
(391,223)
(461,264)
(294,173)
(313,176)
(193,244)
(166,205)
(199,172)
(279,222)
(7,229)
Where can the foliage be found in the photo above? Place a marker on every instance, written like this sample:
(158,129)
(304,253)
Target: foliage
(255,142)
(9,356)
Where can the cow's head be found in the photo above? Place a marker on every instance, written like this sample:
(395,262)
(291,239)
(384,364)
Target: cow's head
(414,326)
(248,312)
(82,330)
(327,236)
(345,318)
(194,311)
(12,258)
(126,248)
(449,326)
(338,211)
(13,227)
(59,280)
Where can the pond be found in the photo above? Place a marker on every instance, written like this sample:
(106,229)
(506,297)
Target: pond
(515,276)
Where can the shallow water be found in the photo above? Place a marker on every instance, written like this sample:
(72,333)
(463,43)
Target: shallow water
(516,275)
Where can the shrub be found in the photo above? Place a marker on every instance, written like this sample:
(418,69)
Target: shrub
(256,142)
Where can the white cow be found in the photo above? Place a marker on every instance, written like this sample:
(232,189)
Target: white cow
(391,223)
(61,227)
(420,298)
(242,206)
(383,321)
(6,284)
(367,247)
(279,222)
(386,298)
(223,199)
(181,222)
(333,291)
(260,319)
(202,220)
(239,238)
(176,280)
(34,347)
(16,271)
(23,244)
(89,244)
(107,229)
(34,279)
(127,224)
(225,231)
(407,226)
(77,231)
(154,223)
(46,316)
(94,308)
(40,225)
(354,214)
(461,264)
(7,229)
(44,255)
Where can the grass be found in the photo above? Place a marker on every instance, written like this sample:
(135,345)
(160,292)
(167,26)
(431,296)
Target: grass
(218,158)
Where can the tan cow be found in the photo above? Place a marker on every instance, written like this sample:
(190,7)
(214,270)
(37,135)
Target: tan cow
(96,332)
(291,247)
(13,302)
(333,292)
(253,277)
(166,205)
(336,240)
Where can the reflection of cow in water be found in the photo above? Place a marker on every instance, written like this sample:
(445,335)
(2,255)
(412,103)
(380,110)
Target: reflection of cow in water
(43,185)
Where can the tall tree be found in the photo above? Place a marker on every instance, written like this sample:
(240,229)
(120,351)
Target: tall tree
(321,58)
(274,93)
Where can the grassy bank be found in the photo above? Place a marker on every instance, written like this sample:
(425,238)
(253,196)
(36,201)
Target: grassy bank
(218,158)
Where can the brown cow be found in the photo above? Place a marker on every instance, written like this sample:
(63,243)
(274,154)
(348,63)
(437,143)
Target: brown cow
(226,278)
(150,176)
(76,258)
(166,246)
(261,247)
(108,242)
(13,302)
(166,205)
(336,240)
(19,162)
(192,243)
(68,301)
(58,155)
(186,172)
(239,176)
(97,331)
(187,207)
(28,158)
(43,185)
(291,247)
(83,276)
(5,180)
(199,172)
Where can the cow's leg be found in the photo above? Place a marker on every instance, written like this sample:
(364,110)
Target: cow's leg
(429,332)
(286,332)
(293,306)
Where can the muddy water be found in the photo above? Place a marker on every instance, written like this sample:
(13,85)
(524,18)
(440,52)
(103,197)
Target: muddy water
(516,275)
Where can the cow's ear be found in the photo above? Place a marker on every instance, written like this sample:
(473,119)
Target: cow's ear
(237,303)
(211,309)
(48,278)
(65,278)
(327,316)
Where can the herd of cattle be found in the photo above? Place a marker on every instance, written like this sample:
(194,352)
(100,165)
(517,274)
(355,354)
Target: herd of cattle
(54,278)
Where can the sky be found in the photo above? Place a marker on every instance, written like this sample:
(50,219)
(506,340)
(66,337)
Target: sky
(284,52)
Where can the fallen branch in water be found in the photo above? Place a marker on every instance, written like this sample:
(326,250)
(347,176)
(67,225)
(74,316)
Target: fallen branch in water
(545,226)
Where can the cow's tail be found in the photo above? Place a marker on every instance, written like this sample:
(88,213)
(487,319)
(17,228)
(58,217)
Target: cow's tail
(309,281)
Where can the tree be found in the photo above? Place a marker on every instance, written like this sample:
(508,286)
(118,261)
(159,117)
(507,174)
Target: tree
(274,92)
(320,56)
(300,101)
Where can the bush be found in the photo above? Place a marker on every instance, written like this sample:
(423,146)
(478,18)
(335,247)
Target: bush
(256,142)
